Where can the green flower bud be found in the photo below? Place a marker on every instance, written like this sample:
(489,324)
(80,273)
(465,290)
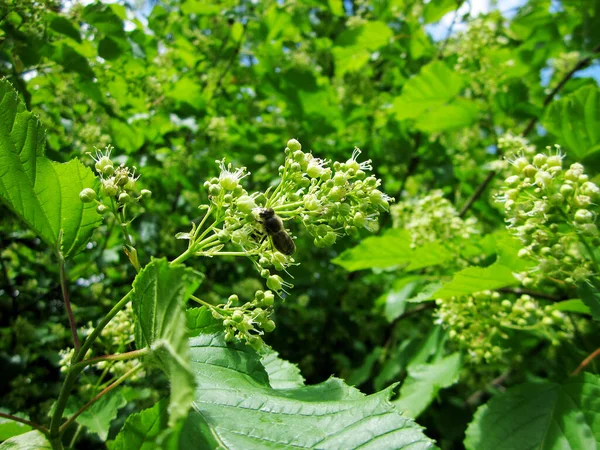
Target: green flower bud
(146,193)
(229,182)
(125,198)
(359,220)
(130,185)
(583,216)
(87,195)
(275,282)
(102,164)
(265,273)
(540,159)
(109,188)
(339,179)
(529,170)
(268,326)
(245,203)
(326,241)
(224,236)
(294,145)
(237,316)
(101,209)
(513,181)
(337,194)
(269,298)
(233,298)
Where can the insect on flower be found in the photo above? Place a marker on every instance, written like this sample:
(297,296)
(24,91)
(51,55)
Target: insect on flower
(273,226)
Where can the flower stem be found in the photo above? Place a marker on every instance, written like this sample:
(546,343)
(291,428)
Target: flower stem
(65,293)
(25,422)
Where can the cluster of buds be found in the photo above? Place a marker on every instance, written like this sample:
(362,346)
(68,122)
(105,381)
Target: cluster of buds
(477,54)
(484,323)
(328,199)
(553,212)
(433,218)
(249,321)
(118,184)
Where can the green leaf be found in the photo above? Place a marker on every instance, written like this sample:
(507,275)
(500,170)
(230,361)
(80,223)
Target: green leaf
(396,298)
(235,406)
(43,193)
(33,440)
(392,249)
(573,305)
(589,291)
(282,374)
(125,136)
(424,381)
(243,412)
(497,275)
(436,9)
(354,46)
(66,27)
(575,121)
(435,85)
(458,114)
(541,415)
(10,428)
(99,416)
(160,293)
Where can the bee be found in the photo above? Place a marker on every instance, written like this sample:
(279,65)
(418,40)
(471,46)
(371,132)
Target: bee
(273,226)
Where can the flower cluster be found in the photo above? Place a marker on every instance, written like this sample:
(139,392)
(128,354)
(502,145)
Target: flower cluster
(329,199)
(432,218)
(553,212)
(483,323)
(479,50)
(249,321)
(118,184)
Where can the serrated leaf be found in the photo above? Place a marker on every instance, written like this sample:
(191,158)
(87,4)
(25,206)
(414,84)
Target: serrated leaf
(99,416)
(424,381)
(575,121)
(282,374)
(160,292)
(589,291)
(435,85)
(542,415)
(353,47)
(66,27)
(33,440)
(236,407)
(497,275)
(392,249)
(43,193)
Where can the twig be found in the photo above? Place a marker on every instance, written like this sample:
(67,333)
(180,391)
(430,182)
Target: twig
(586,361)
(25,422)
(491,174)
(65,293)
(475,398)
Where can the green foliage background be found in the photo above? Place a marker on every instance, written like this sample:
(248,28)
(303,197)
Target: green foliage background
(177,84)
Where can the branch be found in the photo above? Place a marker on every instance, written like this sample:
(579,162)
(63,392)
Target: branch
(25,422)
(65,293)
(475,398)
(481,188)
(585,362)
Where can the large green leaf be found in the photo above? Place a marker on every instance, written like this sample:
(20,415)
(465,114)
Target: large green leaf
(160,293)
(542,416)
(424,381)
(459,114)
(43,193)
(33,440)
(10,428)
(392,249)
(435,85)
(282,374)
(353,47)
(575,121)
(235,407)
(436,9)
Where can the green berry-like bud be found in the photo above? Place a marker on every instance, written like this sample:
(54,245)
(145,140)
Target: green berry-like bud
(109,188)
(245,203)
(233,298)
(583,216)
(88,195)
(337,194)
(269,298)
(540,159)
(268,326)
(229,183)
(228,198)
(265,273)
(224,236)
(294,145)
(102,164)
(237,316)
(513,181)
(214,190)
(359,220)
(125,198)
(101,209)
(275,282)
(146,193)
(529,170)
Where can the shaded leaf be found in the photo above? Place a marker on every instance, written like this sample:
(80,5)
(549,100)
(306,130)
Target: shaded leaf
(589,291)
(573,305)
(575,121)
(424,382)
